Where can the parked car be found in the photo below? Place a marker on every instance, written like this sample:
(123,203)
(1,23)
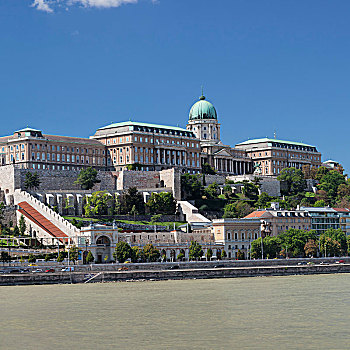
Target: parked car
(174,267)
(37,270)
(302,263)
(50,270)
(14,271)
(340,262)
(68,268)
(124,268)
(218,266)
(324,263)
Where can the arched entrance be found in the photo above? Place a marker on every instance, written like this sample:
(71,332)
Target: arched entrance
(103,249)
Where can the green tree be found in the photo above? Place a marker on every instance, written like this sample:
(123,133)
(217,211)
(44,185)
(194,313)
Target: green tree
(47,257)
(60,257)
(294,180)
(243,209)
(151,253)
(134,166)
(129,198)
(207,169)
(156,218)
(32,181)
(230,211)
(2,210)
(250,190)
(240,255)
(134,211)
(191,186)
(122,252)
(73,254)
(310,248)
(87,178)
(212,191)
(195,251)
(31,258)
(161,203)
(209,254)
(333,242)
(180,256)
(89,258)
(16,231)
(97,204)
(137,255)
(22,225)
(264,201)
(223,254)
(330,183)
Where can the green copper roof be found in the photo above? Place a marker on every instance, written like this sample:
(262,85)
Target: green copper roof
(202,109)
(266,139)
(130,123)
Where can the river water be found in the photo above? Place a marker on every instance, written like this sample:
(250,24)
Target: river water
(292,312)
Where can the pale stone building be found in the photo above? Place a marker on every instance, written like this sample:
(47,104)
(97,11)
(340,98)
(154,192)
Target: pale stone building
(236,235)
(270,156)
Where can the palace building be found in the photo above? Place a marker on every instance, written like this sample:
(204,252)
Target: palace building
(270,156)
(152,147)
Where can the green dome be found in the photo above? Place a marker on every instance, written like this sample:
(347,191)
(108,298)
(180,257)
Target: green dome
(203,110)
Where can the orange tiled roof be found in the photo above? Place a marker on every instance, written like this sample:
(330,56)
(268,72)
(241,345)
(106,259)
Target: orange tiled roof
(255,214)
(345,210)
(33,215)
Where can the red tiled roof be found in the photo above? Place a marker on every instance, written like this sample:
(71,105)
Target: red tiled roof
(344,210)
(255,214)
(40,220)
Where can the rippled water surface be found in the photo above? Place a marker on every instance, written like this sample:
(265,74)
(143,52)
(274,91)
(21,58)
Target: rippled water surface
(294,312)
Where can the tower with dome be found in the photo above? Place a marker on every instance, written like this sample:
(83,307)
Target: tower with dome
(203,122)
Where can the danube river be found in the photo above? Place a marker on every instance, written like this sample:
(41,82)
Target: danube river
(292,312)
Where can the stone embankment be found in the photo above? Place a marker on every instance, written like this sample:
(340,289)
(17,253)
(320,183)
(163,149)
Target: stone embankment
(181,272)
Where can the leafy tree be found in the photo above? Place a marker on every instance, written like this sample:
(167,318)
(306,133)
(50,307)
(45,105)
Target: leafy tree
(310,248)
(333,242)
(212,191)
(129,198)
(250,190)
(263,201)
(294,179)
(180,256)
(243,209)
(47,257)
(330,183)
(195,251)
(137,255)
(32,181)
(343,190)
(320,203)
(73,254)
(209,254)
(191,186)
(255,249)
(87,178)
(89,258)
(207,169)
(151,253)
(97,204)
(16,231)
(223,254)
(2,210)
(60,257)
(161,203)
(321,171)
(230,211)
(156,218)
(122,252)
(22,225)
(31,258)
(240,255)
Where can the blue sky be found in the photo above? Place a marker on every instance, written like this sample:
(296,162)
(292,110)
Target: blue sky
(71,66)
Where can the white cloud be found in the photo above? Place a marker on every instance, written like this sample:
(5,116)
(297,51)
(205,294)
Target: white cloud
(42,5)
(103,3)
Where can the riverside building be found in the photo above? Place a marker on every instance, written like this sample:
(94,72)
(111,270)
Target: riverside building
(270,156)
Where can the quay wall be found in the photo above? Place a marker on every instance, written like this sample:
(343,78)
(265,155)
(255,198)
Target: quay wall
(142,275)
